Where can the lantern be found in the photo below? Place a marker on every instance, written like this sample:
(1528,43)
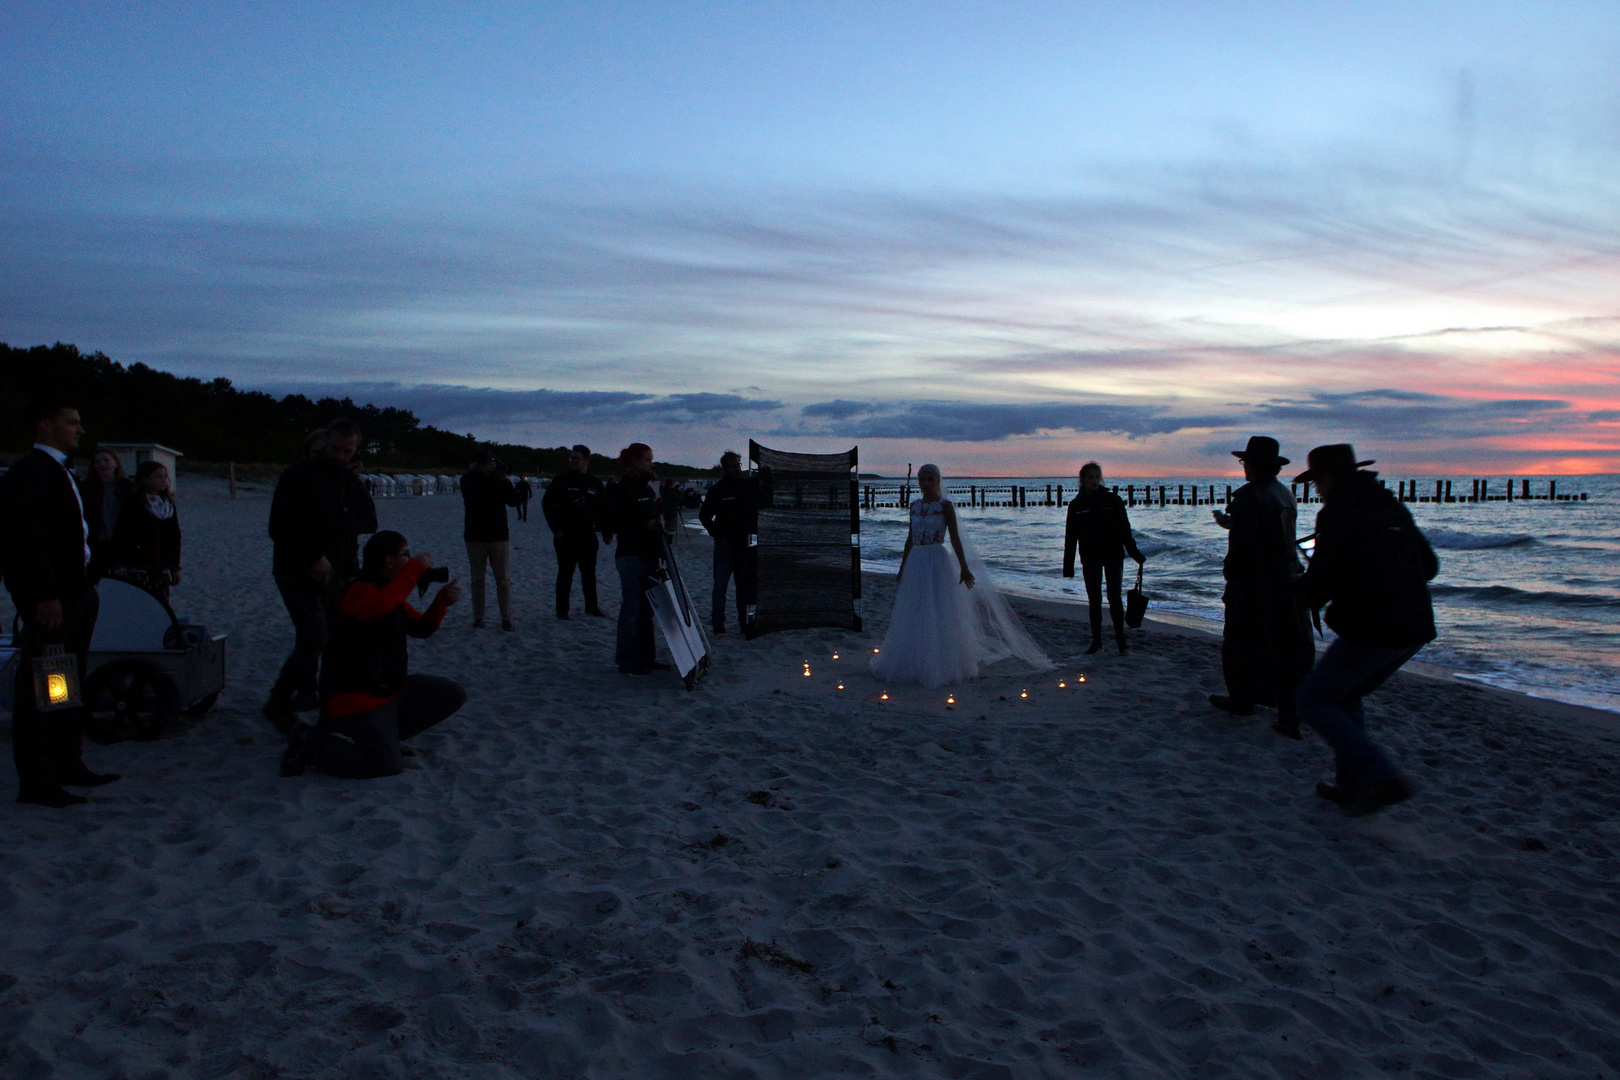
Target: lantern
(883,696)
(56,680)
(950,701)
(1023,693)
(835,656)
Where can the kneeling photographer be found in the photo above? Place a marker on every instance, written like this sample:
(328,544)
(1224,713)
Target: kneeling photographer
(370,704)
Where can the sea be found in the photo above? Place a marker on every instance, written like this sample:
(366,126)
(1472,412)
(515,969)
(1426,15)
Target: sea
(1527,599)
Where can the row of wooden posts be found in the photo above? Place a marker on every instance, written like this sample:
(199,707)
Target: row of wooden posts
(1020,496)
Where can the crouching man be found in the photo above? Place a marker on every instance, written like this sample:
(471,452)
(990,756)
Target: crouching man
(370,703)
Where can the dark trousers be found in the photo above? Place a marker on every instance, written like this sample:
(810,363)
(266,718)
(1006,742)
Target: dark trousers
(1266,646)
(1330,701)
(523,510)
(635,650)
(731,559)
(575,550)
(367,744)
(46,745)
(312,606)
(1092,570)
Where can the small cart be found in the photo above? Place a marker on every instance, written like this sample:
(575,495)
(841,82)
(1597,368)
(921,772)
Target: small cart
(145,666)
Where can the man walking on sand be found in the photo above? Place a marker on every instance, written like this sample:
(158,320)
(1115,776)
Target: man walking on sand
(45,554)
(1371,567)
(485,495)
(318,511)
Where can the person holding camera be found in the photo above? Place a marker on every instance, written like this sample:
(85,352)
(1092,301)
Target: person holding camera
(370,703)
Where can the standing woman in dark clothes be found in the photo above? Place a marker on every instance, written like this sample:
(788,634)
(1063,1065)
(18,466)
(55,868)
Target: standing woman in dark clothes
(1101,530)
(634,513)
(103,493)
(146,543)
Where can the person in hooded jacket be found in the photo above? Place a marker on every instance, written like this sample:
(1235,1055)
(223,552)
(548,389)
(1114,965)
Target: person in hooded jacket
(370,702)
(1371,567)
(1100,530)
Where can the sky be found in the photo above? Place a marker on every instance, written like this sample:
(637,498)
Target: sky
(1005,237)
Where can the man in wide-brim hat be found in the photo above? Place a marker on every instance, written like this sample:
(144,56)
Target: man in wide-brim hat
(1371,567)
(1266,644)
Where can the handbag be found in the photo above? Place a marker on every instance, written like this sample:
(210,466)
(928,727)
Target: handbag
(1136,602)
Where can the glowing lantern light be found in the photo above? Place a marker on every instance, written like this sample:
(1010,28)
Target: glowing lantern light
(950,701)
(840,686)
(56,680)
(1062,685)
(883,696)
(1081,679)
(1023,693)
(835,656)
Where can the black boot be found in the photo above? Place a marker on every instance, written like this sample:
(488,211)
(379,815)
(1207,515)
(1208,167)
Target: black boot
(1119,639)
(1096,646)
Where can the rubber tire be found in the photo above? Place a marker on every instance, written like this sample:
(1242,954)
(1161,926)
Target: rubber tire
(134,693)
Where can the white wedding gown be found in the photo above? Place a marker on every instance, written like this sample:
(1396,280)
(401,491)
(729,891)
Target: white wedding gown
(942,632)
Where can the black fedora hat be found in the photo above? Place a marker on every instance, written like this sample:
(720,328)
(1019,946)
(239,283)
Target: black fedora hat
(1334,458)
(1261,448)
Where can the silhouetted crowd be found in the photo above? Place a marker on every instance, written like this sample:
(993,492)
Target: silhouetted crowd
(352,612)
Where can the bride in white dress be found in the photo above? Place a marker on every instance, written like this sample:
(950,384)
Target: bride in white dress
(948,618)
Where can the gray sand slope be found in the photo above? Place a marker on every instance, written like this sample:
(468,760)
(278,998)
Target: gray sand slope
(587,876)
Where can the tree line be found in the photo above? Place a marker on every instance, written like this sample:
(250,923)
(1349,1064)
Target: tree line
(212,421)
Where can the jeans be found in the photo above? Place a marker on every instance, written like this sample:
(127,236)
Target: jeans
(1092,570)
(497,554)
(635,650)
(367,745)
(1330,701)
(572,551)
(46,745)
(731,559)
(311,605)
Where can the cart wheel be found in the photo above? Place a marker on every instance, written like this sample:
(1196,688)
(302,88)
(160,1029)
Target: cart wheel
(202,706)
(125,700)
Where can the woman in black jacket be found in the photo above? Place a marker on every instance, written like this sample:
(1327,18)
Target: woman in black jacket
(635,514)
(145,545)
(103,492)
(1101,531)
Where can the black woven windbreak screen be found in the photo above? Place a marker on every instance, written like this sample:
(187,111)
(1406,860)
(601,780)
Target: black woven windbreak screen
(808,544)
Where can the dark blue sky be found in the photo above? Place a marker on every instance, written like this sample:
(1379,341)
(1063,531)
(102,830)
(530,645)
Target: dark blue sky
(1002,236)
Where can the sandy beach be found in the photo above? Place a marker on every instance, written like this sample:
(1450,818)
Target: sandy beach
(583,875)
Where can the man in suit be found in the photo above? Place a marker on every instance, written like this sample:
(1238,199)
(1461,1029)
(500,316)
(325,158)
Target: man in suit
(45,553)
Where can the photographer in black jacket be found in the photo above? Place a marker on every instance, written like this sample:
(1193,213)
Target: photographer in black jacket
(573,506)
(730,511)
(370,703)
(318,511)
(1100,530)
(1371,567)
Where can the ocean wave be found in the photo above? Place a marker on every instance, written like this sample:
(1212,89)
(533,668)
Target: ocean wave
(1457,540)
(1506,594)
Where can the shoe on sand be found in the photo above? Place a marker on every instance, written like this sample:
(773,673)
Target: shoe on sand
(49,795)
(1366,798)
(1226,704)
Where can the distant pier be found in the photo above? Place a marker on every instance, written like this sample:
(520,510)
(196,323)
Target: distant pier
(1019,496)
